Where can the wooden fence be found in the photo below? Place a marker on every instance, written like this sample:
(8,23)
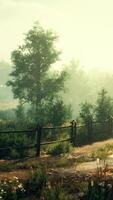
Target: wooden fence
(71,136)
(38,132)
(78,134)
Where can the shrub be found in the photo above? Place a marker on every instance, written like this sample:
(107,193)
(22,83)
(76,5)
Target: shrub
(59,148)
(38,187)
(11,189)
(14,146)
(21,145)
(99,190)
(56,193)
(36,183)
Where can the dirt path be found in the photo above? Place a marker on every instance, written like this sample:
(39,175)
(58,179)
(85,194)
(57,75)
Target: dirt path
(21,174)
(90,148)
(85,167)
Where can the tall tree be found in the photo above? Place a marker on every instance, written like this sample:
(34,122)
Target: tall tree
(59,112)
(104,106)
(31,81)
(86,112)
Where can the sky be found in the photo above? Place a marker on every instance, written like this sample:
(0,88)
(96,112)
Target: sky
(85,28)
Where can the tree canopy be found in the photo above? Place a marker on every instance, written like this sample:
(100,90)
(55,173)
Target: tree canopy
(86,112)
(31,81)
(104,106)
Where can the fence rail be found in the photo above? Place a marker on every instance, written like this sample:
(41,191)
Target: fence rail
(77,134)
(56,141)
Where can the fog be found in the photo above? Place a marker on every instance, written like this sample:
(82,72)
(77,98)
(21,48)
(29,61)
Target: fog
(85,28)
(81,85)
(5,92)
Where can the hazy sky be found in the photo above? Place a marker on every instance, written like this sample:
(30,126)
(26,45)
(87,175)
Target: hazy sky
(85,27)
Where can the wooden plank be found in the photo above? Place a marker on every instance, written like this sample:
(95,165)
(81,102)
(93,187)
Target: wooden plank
(56,127)
(82,125)
(53,142)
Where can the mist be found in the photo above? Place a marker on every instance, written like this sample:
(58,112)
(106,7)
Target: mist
(5,92)
(84,85)
(81,85)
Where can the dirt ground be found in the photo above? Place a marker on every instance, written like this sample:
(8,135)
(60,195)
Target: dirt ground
(86,167)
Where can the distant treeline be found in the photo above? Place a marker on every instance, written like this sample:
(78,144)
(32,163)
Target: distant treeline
(80,86)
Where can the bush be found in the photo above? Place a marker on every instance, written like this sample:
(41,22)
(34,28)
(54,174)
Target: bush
(99,190)
(11,189)
(22,143)
(59,148)
(37,187)
(56,193)
(14,146)
(36,183)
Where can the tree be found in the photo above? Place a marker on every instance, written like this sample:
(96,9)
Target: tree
(86,112)
(31,81)
(20,114)
(104,106)
(58,112)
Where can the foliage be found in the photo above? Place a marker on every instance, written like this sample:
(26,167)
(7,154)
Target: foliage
(59,148)
(32,81)
(8,114)
(99,190)
(58,112)
(7,125)
(37,182)
(103,152)
(56,193)
(82,136)
(100,187)
(104,106)
(14,146)
(40,186)
(86,112)
(20,115)
(37,186)
(11,189)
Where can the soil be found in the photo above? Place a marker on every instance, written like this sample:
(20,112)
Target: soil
(85,168)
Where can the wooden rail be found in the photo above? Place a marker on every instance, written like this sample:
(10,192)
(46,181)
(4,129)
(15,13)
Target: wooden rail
(73,129)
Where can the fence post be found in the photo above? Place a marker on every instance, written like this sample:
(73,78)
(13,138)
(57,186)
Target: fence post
(38,139)
(73,132)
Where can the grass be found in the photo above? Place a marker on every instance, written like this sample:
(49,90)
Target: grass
(39,185)
(56,162)
(102,152)
(62,187)
(62,161)
(70,186)
(49,162)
